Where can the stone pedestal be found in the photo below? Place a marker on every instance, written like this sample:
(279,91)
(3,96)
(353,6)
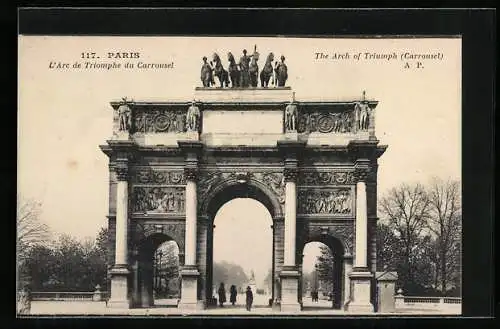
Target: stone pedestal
(360,292)
(189,286)
(192,136)
(289,290)
(119,288)
(291,136)
(122,135)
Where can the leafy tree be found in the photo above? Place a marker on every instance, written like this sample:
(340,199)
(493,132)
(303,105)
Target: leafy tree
(167,265)
(389,248)
(324,266)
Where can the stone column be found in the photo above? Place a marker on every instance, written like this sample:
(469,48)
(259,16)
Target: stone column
(189,272)
(120,272)
(361,277)
(290,275)
(278,236)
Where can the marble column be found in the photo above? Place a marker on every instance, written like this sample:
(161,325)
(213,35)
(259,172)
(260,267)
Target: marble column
(290,275)
(361,277)
(120,273)
(189,272)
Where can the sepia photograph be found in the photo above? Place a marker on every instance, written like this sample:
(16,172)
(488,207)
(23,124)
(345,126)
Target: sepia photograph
(239,176)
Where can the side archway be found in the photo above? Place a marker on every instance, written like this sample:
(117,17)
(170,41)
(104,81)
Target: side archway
(145,264)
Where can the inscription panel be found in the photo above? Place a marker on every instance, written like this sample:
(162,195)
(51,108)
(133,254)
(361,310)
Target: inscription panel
(242,122)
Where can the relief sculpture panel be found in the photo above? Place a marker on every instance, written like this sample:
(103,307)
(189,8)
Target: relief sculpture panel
(158,199)
(160,121)
(334,201)
(358,118)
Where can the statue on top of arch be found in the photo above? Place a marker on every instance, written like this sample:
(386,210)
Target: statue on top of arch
(245,72)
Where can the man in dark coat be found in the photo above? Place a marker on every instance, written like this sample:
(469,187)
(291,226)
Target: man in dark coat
(233,293)
(249,299)
(222,294)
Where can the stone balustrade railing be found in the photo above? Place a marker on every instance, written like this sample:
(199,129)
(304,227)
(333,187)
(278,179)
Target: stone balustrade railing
(421,302)
(69,296)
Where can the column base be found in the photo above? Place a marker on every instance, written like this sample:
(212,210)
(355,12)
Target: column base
(360,302)
(289,290)
(119,288)
(189,289)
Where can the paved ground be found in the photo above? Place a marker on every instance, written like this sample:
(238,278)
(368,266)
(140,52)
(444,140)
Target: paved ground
(167,308)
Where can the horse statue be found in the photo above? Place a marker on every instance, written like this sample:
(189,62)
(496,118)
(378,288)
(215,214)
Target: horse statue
(219,71)
(267,72)
(281,72)
(206,74)
(234,73)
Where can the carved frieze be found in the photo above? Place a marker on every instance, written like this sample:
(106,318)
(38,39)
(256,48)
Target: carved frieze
(158,199)
(326,122)
(160,121)
(358,118)
(326,178)
(159,176)
(332,201)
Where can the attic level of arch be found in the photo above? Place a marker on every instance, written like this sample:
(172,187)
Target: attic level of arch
(316,122)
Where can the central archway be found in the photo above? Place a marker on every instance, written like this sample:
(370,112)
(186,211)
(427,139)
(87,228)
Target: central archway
(222,194)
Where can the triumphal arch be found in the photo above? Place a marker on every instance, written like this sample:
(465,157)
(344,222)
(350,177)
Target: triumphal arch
(312,164)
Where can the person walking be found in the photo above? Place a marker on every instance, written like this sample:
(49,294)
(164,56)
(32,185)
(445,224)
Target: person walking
(233,292)
(249,299)
(222,294)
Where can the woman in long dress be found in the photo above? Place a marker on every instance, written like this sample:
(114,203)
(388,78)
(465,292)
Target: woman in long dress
(222,294)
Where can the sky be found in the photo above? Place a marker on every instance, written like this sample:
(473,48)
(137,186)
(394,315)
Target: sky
(64,114)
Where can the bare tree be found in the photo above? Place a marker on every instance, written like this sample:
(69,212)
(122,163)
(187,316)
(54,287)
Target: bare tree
(445,224)
(31,232)
(406,211)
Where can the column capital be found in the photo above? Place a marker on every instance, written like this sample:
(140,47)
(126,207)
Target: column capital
(291,174)
(121,170)
(191,173)
(361,169)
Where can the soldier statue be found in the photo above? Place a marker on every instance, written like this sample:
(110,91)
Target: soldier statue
(291,116)
(244,65)
(193,117)
(124,116)
(206,74)
(281,72)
